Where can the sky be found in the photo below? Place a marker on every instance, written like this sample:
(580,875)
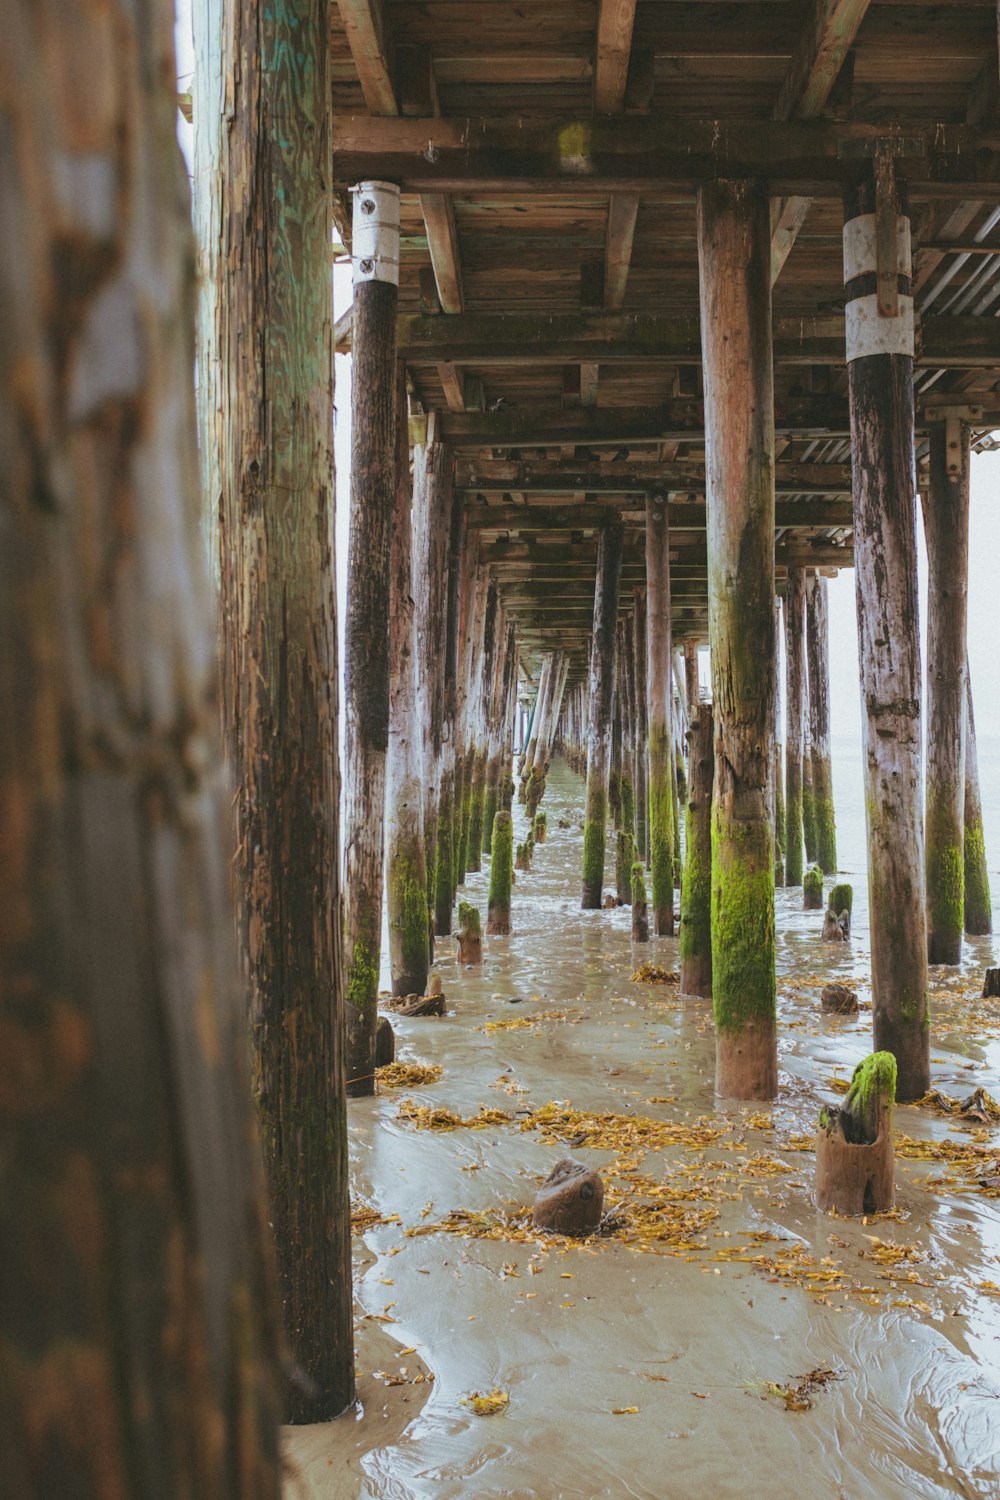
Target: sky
(845,701)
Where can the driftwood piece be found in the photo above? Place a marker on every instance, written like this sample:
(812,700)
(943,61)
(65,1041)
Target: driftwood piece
(855,1164)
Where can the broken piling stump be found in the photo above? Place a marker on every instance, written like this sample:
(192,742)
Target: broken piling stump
(991,983)
(640,917)
(854,1153)
(385,1042)
(812,889)
(469,935)
(838,1000)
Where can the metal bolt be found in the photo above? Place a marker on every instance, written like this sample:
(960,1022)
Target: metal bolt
(367,267)
(368,205)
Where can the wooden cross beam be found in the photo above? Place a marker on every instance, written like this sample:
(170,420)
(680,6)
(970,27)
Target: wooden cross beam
(813,158)
(541,476)
(824,514)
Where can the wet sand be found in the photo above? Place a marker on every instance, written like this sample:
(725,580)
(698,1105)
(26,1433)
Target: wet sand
(754,1287)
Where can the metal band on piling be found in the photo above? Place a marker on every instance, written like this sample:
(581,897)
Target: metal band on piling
(375,249)
(868,331)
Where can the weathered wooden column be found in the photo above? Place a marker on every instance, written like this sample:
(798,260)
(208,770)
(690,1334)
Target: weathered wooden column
(610,545)
(444,871)
(475,588)
(692,684)
(879,321)
(818,652)
(484,679)
(795,600)
(808,791)
(432,496)
(537,716)
(406,860)
(946,532)
(375,260)
(640,776)
(658,678)
(137,1339)
(280,655)
(735,283)
(696,889)
(778,758)
(978,906)
(494,755)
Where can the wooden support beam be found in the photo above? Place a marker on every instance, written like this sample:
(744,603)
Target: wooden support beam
(946,532)
(824,43)
(374,410)
(602,692)
(453,384)
(615,22)
(880,374)
(519,339)
(821,514)
(371,50)
(588,383)
(795,600)
(818,659)
(623,211)
(540,476)
(442,242)
(654,153)
(735,287)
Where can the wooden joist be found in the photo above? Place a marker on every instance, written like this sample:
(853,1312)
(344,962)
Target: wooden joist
(824,514)
(518,339)
(615,21)
(371,50)
(442,242)
(650,153)
(824,43)
(623,211)
(679,420)
(540,476)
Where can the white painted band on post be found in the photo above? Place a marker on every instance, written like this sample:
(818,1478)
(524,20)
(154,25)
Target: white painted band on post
(859,247)
(867,332)
(375,247)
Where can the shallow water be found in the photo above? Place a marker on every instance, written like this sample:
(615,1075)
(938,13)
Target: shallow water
(574,1332)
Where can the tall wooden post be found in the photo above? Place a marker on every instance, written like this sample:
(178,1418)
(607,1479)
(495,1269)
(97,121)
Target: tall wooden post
(279,654)
(692,683)
(137,1340)
(444,872)
(795,600)
(880,380)
(375,261)
(537,718)
(639,646)
(735,282)
(658,677)
(474,589)
(808,790)
(818,652)
(406,860)
(978,907)
(778,758)
(610,545)
(946,531)
(432,495)
(483,682)
(696,890)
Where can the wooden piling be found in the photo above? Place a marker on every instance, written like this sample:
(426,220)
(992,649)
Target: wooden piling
(696,890)
(778,758)
(610,545)
(640,773)
(432,503)
(735,286)
(406,860)
(880,380)
(818,654)
(794,649)
(137,1318)
(946,532)
(658,671)
(978,907)
(366,642)
(692,682)
(480,732)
